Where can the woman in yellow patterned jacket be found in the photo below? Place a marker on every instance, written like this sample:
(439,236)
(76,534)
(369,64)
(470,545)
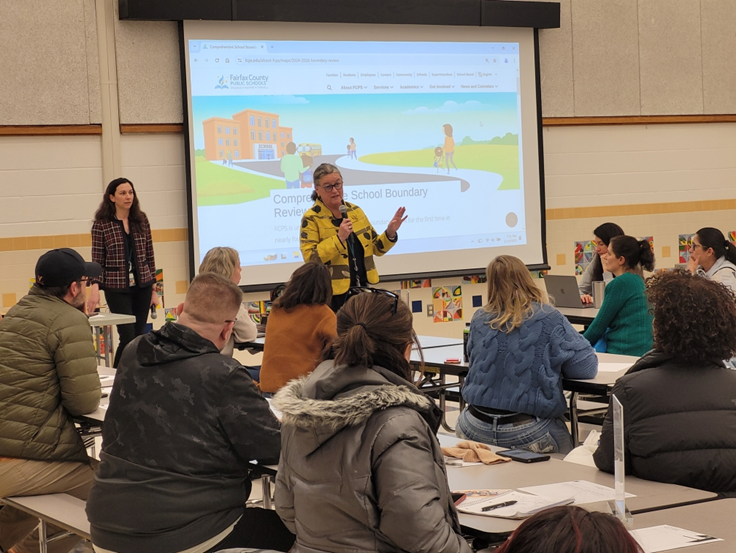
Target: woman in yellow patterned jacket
(345,244)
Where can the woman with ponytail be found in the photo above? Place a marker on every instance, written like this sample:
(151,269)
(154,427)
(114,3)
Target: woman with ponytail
(594,272)
(713,257)
(361,468)
(624,319)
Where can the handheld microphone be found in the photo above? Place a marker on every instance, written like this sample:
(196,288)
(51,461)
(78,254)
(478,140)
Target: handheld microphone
(344,211)
(153,312)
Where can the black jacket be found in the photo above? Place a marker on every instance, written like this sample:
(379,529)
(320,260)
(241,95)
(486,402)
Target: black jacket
(183,423)
(679,423)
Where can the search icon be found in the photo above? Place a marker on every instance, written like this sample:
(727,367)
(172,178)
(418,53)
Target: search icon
(329,87)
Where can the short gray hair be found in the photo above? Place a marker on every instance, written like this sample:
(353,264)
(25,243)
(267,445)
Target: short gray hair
(321,171)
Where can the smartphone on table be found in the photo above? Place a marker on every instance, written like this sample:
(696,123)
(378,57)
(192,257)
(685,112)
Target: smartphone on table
(523,456)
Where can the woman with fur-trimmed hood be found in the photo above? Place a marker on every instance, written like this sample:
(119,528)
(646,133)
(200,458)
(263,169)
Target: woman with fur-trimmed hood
(361,468)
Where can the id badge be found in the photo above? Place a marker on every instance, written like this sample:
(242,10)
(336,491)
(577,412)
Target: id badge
(131,279)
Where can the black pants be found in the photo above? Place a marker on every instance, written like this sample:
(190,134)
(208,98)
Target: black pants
(133,301)
(258,529)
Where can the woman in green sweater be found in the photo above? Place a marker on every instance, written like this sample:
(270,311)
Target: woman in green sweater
(624,318)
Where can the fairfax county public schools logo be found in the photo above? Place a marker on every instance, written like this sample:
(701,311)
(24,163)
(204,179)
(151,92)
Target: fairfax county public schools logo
(221,82)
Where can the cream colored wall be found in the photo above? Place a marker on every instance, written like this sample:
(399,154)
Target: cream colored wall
(610,57)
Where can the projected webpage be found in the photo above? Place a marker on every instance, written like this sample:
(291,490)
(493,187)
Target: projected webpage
(434,127)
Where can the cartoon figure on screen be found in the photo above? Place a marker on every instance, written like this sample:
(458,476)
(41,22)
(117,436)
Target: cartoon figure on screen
(449,147)
(438,160)
(292,167)
(307,178)
(352,147)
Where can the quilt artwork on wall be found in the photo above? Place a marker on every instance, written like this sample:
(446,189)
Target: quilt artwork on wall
(448,303)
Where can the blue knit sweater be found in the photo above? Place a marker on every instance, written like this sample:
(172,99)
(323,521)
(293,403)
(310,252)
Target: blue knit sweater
(522,371)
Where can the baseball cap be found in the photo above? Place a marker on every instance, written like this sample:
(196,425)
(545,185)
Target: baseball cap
(63,266)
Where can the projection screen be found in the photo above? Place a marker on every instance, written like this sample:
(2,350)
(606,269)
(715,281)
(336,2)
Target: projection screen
(268,102)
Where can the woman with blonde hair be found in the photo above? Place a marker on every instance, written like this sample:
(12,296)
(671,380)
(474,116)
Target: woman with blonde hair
(226,262)
(520,348)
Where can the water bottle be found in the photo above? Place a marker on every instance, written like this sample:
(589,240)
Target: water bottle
(466,335)
(599,290)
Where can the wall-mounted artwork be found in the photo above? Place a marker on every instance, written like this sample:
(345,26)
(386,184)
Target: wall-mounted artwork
(419,283)
(584,254)
(448,303)
(684,241)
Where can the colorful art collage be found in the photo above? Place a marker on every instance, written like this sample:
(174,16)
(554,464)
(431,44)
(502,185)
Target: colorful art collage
(257,309)
(584,254)
(474,279)
(448,303)
(683,246)
(420,283)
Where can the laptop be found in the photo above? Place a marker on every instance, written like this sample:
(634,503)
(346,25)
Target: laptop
(563,291)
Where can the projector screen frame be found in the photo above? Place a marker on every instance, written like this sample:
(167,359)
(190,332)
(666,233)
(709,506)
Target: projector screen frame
(384,277)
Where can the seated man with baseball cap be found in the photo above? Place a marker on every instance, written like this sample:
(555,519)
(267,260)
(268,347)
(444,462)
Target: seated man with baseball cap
(48,374)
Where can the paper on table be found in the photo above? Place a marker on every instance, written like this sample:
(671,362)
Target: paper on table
(612,367)
(455,462)
(107,379)
(526,505)
(665,538)
(582,490)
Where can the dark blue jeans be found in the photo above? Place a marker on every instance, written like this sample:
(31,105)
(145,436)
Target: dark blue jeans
(538,435)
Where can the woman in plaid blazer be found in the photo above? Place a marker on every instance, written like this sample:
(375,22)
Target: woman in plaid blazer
(122,244)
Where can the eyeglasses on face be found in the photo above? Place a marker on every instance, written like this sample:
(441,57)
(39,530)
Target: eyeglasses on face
(693,246)
(235,320)
(355,290)
(330,187)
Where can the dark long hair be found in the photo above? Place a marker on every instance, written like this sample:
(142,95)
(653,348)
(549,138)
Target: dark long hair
(635,252)
(106,211)
(310,284)
(369,333)
(713,238)
(605,232)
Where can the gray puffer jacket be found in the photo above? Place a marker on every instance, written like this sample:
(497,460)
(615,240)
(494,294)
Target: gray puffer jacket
(361,468)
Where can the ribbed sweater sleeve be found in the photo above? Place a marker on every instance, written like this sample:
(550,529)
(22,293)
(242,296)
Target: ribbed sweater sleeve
(584,362)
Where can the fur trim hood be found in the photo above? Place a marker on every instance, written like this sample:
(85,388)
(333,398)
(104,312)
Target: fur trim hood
(332,398)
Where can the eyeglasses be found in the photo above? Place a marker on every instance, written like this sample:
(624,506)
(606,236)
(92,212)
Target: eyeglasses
(330,187)
(235,320)
(355,290)
(693,245)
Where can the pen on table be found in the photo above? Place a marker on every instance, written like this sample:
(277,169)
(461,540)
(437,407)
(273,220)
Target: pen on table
(498,506)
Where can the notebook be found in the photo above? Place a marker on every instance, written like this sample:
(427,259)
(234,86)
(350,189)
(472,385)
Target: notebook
(563,291)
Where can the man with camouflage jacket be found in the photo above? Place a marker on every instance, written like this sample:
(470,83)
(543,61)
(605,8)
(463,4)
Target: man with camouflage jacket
(183,423)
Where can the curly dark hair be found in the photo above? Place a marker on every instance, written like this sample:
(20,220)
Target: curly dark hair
(694,318)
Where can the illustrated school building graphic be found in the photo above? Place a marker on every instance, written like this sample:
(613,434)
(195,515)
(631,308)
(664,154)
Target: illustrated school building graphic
(250,134)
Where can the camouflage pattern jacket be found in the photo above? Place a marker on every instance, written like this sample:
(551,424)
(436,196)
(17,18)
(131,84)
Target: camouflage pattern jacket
(183,423)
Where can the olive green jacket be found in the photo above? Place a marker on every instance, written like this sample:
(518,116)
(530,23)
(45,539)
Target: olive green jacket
(318,237)
(48,373)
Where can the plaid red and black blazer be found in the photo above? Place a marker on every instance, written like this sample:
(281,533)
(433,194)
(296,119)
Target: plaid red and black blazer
(108,249)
